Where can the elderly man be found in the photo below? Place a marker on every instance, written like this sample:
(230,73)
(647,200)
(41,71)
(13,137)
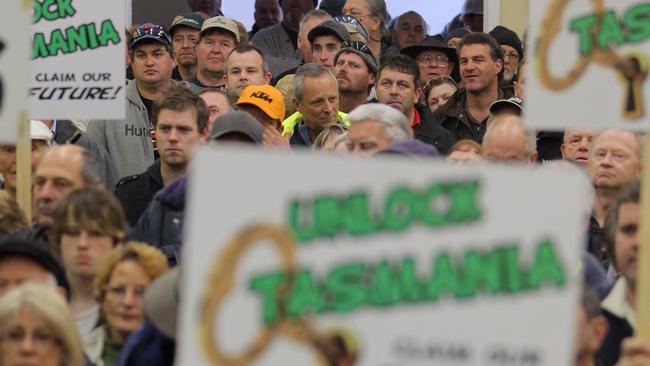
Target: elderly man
(316,98)
(61,170)
(184,32)
(373,127)
(614,162)
(506,139)
(409,29)
(575,146)
(434,59)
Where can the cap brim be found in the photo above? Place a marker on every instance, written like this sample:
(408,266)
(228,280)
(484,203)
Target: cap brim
(414,51)
(146,37)
(161,302)
(494,107)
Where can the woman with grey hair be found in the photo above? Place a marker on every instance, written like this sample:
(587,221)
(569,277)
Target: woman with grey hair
(36,328)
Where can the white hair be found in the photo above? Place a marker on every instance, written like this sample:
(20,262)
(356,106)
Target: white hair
(395,123)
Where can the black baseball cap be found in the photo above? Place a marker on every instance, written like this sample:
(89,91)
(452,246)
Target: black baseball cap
(150,31)
(327,28)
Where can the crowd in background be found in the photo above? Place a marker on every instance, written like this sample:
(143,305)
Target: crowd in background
(92,278)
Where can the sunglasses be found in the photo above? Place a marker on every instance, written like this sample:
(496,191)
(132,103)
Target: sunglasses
(149,29)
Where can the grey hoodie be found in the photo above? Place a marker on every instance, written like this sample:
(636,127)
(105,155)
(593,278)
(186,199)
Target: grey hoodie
(128,141)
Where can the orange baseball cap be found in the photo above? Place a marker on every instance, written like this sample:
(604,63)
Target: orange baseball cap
(266,97)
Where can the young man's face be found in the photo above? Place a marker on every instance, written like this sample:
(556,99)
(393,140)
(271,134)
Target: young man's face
(324,48)
(177,135)
(245,69)
(152,63)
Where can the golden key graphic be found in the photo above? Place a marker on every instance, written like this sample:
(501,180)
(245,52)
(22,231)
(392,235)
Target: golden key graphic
(632,68)
(333,347)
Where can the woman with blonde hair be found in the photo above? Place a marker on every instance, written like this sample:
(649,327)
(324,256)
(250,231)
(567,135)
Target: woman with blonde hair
(119,287)
(36,328)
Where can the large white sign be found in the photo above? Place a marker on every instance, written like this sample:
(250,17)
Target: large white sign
(588,64)
(316,260)
(78,68)
(14,61)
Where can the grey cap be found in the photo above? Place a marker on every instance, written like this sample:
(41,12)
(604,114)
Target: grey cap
(516,103)
(329,28)
(237,122)
(161,301)
(364,51)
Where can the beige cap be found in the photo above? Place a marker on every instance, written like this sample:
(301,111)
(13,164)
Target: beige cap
(221,22)
(39,131)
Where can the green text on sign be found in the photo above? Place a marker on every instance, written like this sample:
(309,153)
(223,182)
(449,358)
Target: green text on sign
(632,27)
(352,286)
(439,204)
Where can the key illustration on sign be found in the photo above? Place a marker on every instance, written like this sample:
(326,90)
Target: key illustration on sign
(333,347)
(599,33)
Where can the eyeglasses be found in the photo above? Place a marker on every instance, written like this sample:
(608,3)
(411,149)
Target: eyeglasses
(430,60)
(40,338)
(121,290)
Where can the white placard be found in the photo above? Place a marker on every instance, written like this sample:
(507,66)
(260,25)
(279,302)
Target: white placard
(14,61)
(78,59)
(404,263)
(588,64)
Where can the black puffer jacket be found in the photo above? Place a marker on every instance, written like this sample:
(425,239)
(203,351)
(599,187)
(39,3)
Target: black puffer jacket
(161,224)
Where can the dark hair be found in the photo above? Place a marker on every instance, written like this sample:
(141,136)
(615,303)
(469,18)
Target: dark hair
(496,53)
(178,99)
(250,48)
(89,209)
(441,80)
(402,63)
(629,194)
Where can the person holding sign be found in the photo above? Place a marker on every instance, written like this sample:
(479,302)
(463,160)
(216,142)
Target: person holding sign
(130,142)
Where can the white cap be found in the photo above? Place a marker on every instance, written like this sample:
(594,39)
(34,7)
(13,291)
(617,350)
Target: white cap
(39,131)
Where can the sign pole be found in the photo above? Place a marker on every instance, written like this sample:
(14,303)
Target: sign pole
(642,307)
(24,167)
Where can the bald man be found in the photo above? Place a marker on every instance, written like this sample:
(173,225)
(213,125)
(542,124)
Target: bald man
(506,139)
(61,170)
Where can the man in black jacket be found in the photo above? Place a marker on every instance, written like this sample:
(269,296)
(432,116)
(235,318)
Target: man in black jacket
(398,86)
(180,120)
(481,67)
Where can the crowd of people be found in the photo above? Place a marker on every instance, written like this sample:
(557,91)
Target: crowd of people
(83,281)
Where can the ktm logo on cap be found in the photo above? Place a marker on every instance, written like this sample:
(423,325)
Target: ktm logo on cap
(263,96)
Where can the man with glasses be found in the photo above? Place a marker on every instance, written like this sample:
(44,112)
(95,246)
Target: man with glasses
(218,37)
(130,142)
(434,59)
(184,32)
(326,40)
(356,72)
(398,86)
(513,52)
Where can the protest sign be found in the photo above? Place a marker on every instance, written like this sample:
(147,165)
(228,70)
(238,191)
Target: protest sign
(14,61)
(588,64)
(385,262)
(78,53)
